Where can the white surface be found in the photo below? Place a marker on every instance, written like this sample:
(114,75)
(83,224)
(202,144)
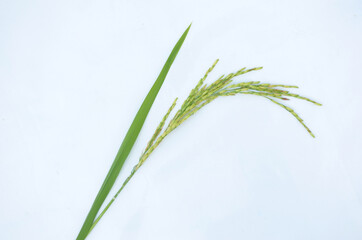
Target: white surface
(73,74)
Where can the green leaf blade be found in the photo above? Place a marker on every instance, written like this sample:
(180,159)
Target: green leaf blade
(129,141)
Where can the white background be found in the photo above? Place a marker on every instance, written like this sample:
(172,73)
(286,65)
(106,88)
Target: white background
(74,73)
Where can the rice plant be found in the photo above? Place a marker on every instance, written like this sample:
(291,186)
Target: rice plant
(204,94)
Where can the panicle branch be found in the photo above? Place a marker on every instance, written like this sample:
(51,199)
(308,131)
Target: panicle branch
(203,94)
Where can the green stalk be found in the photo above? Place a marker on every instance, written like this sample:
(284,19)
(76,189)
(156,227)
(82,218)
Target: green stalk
(129,141)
